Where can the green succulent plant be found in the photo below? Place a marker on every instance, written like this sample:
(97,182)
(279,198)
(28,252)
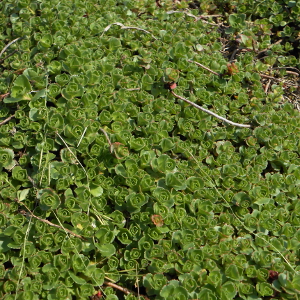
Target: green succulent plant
(121,159)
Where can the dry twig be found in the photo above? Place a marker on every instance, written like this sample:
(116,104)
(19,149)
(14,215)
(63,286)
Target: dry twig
(4,96)
(7,56)
(205,68)
(290,72)
(233,54)
(276,79)
(133,89)
(267,86)
(201,17)
(6,120)
(270,46)
(124,290)
(126,27)
(270,77)
(210,112)
(111,146)
(31,214)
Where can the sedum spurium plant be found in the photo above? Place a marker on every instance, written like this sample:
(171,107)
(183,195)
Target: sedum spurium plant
(112,186)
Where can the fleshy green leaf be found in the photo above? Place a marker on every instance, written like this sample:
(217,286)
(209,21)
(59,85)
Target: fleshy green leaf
(96,191)
(107,250)
(22,194)
(6,158)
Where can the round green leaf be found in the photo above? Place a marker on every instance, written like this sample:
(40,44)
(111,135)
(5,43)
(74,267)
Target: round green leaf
(107,250)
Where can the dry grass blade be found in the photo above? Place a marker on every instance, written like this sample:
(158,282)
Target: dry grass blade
(197,18)
(23,256)
(127,27)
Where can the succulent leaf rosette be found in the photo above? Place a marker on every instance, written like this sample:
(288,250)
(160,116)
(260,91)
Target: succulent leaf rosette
(48,199)
(6,158)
